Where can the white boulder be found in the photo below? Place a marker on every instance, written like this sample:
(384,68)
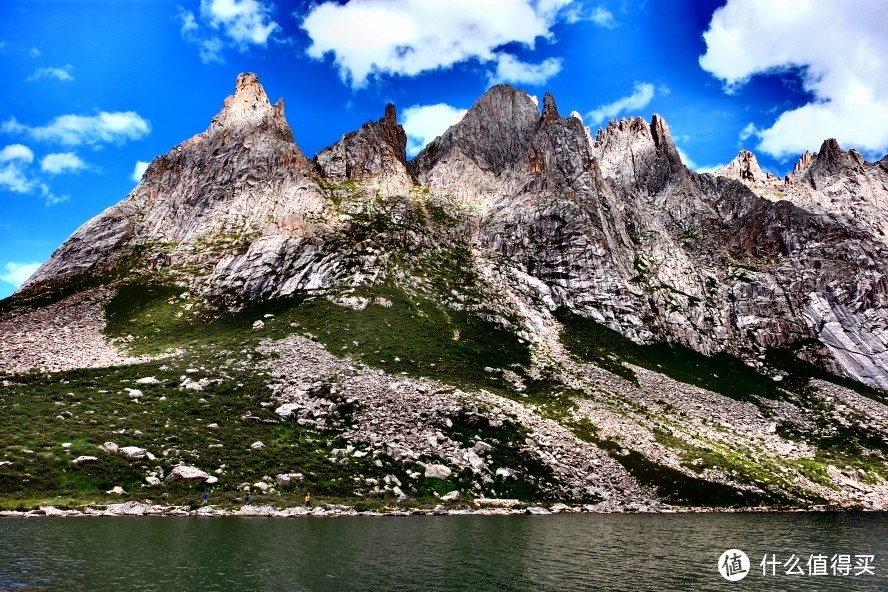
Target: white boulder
(187,474)
(437,471)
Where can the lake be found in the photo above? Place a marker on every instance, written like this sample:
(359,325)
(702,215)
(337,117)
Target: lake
(471,553)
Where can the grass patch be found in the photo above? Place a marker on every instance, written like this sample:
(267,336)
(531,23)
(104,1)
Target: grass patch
(722,373)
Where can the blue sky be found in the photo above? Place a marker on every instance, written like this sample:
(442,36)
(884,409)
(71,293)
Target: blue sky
(93,89)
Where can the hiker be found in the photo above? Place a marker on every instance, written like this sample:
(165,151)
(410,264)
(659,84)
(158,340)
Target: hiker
(247,499)
(308,500)
(206,497)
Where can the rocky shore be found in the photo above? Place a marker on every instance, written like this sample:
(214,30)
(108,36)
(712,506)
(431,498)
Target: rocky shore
(480,507)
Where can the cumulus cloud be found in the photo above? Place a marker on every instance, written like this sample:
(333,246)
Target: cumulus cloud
(407,37)
(424,123)
(16,176)
(845,69)
(14,161)
(73,130)
(16,152)
(245,22)
(63,73)
(642,94)
(511,69)
(62,162)
(141,167)
(17,273)
(227,23)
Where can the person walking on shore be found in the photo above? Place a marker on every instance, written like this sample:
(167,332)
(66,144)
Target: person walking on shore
(308,500)
(206,497)
(247,499)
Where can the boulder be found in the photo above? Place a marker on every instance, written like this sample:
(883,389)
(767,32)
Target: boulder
(537,511)
(133,393)
(117,490)
(288,479)
(258,325)
(482,447)
(287,410)
(437,471)
(130,509)
(187,474)
(133,452)
(507,474)
(147,380)
(257,445)
(475,461)
(450,497)
(109,447)
(84,459)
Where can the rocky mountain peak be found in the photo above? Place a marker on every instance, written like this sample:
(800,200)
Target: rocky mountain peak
(803,162)
(744,167)
(828,162)
(249,109)
(377,148)
(550,110)
(638,154)
(493,133)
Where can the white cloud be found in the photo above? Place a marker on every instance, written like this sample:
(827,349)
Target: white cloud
(423,123)
(15,174)
(73,130)
(51,198)
(235,23)
(511,69)
(17,273)
(16,152)
(838,48)
(710,168)
(642,94)
(141,167)
(685,159)
(748,131)
(14,160)
(63,73)
(603,18)
(407,37)
(243,21)
(700,168)
(62,162)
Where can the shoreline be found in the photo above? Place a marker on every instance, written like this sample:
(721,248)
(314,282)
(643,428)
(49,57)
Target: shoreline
(136,509)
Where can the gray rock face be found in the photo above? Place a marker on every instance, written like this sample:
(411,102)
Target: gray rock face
(378,148)
(613,227)
(209,197)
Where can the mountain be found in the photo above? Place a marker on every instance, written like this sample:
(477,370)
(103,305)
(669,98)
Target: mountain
(520,310)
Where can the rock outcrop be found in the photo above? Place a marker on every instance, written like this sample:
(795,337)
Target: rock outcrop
(614,227)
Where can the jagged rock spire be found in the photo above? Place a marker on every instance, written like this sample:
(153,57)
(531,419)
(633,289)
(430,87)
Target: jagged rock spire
(550,110)
(378,147)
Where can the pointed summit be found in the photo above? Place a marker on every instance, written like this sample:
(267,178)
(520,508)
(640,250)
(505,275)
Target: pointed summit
(378,147)
(744,167)
(494,133)
(550,109)
(249,108)
(818,168)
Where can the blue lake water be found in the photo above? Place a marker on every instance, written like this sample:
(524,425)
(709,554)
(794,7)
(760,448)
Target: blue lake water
(447,553)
